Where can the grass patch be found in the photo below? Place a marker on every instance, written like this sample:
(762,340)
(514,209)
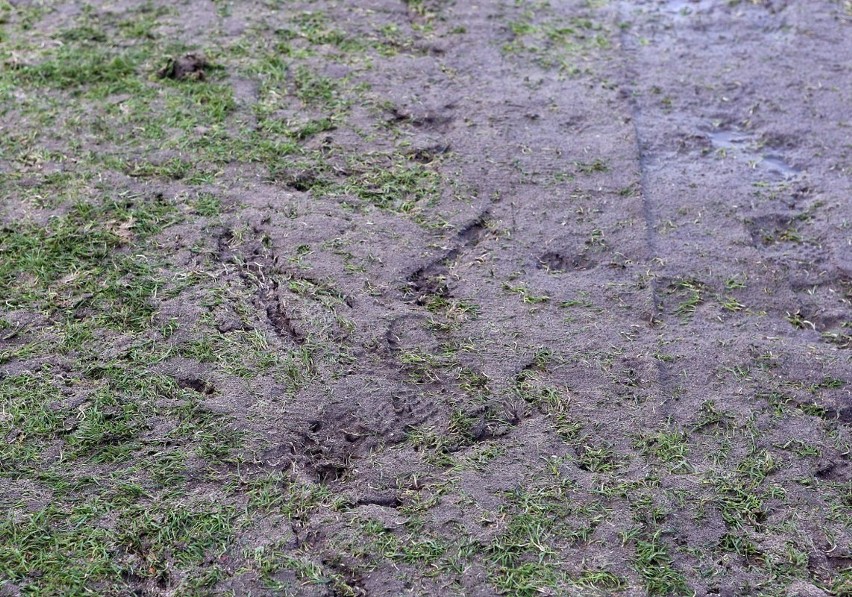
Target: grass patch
(58,552)
(654,566)
(29,417)
(78,68)
(77,262)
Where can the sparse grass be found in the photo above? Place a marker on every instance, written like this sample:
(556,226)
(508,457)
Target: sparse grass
(602,580)
(527,295)
(597,165)
(453,309)
(395,185)
(690,294)
(842,582)
(581,301)
(522,558)
(740,503)
(553,41)
(597,459)
(798,321)
(731,304)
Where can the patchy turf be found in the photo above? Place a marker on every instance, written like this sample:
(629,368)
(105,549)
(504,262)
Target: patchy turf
(425,297)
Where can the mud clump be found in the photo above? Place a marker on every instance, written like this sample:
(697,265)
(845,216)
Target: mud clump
(189,67)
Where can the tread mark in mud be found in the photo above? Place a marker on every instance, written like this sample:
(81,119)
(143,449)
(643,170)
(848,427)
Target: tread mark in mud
(431,278)
(281,322)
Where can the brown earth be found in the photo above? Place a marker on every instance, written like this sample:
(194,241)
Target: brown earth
(448,298)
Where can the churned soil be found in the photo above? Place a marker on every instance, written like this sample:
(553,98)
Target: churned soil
(426,297)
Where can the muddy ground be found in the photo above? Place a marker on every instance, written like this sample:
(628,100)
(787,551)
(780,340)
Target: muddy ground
(423,297)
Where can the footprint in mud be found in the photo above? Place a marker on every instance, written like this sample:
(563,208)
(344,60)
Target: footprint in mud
(728,139)
(438,120)
(431,279)
(328,444)
(687,8)
(775,164)
(281,321)
(836,470)
(196,384)
(408,331)
(429,153)
(743,146)
(769,229)
(472,233)
(811,261)
(824,298)
(411,409)
(555,262)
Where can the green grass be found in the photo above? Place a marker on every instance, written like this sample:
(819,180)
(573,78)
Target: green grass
(670,447)
(91,70)
(653,564)
(30,419)
(77,261)
(202,531)
(67,544)
(59,551)
(107,430)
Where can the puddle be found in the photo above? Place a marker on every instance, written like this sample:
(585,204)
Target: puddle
(741,146)
(727,139)
(777,165)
